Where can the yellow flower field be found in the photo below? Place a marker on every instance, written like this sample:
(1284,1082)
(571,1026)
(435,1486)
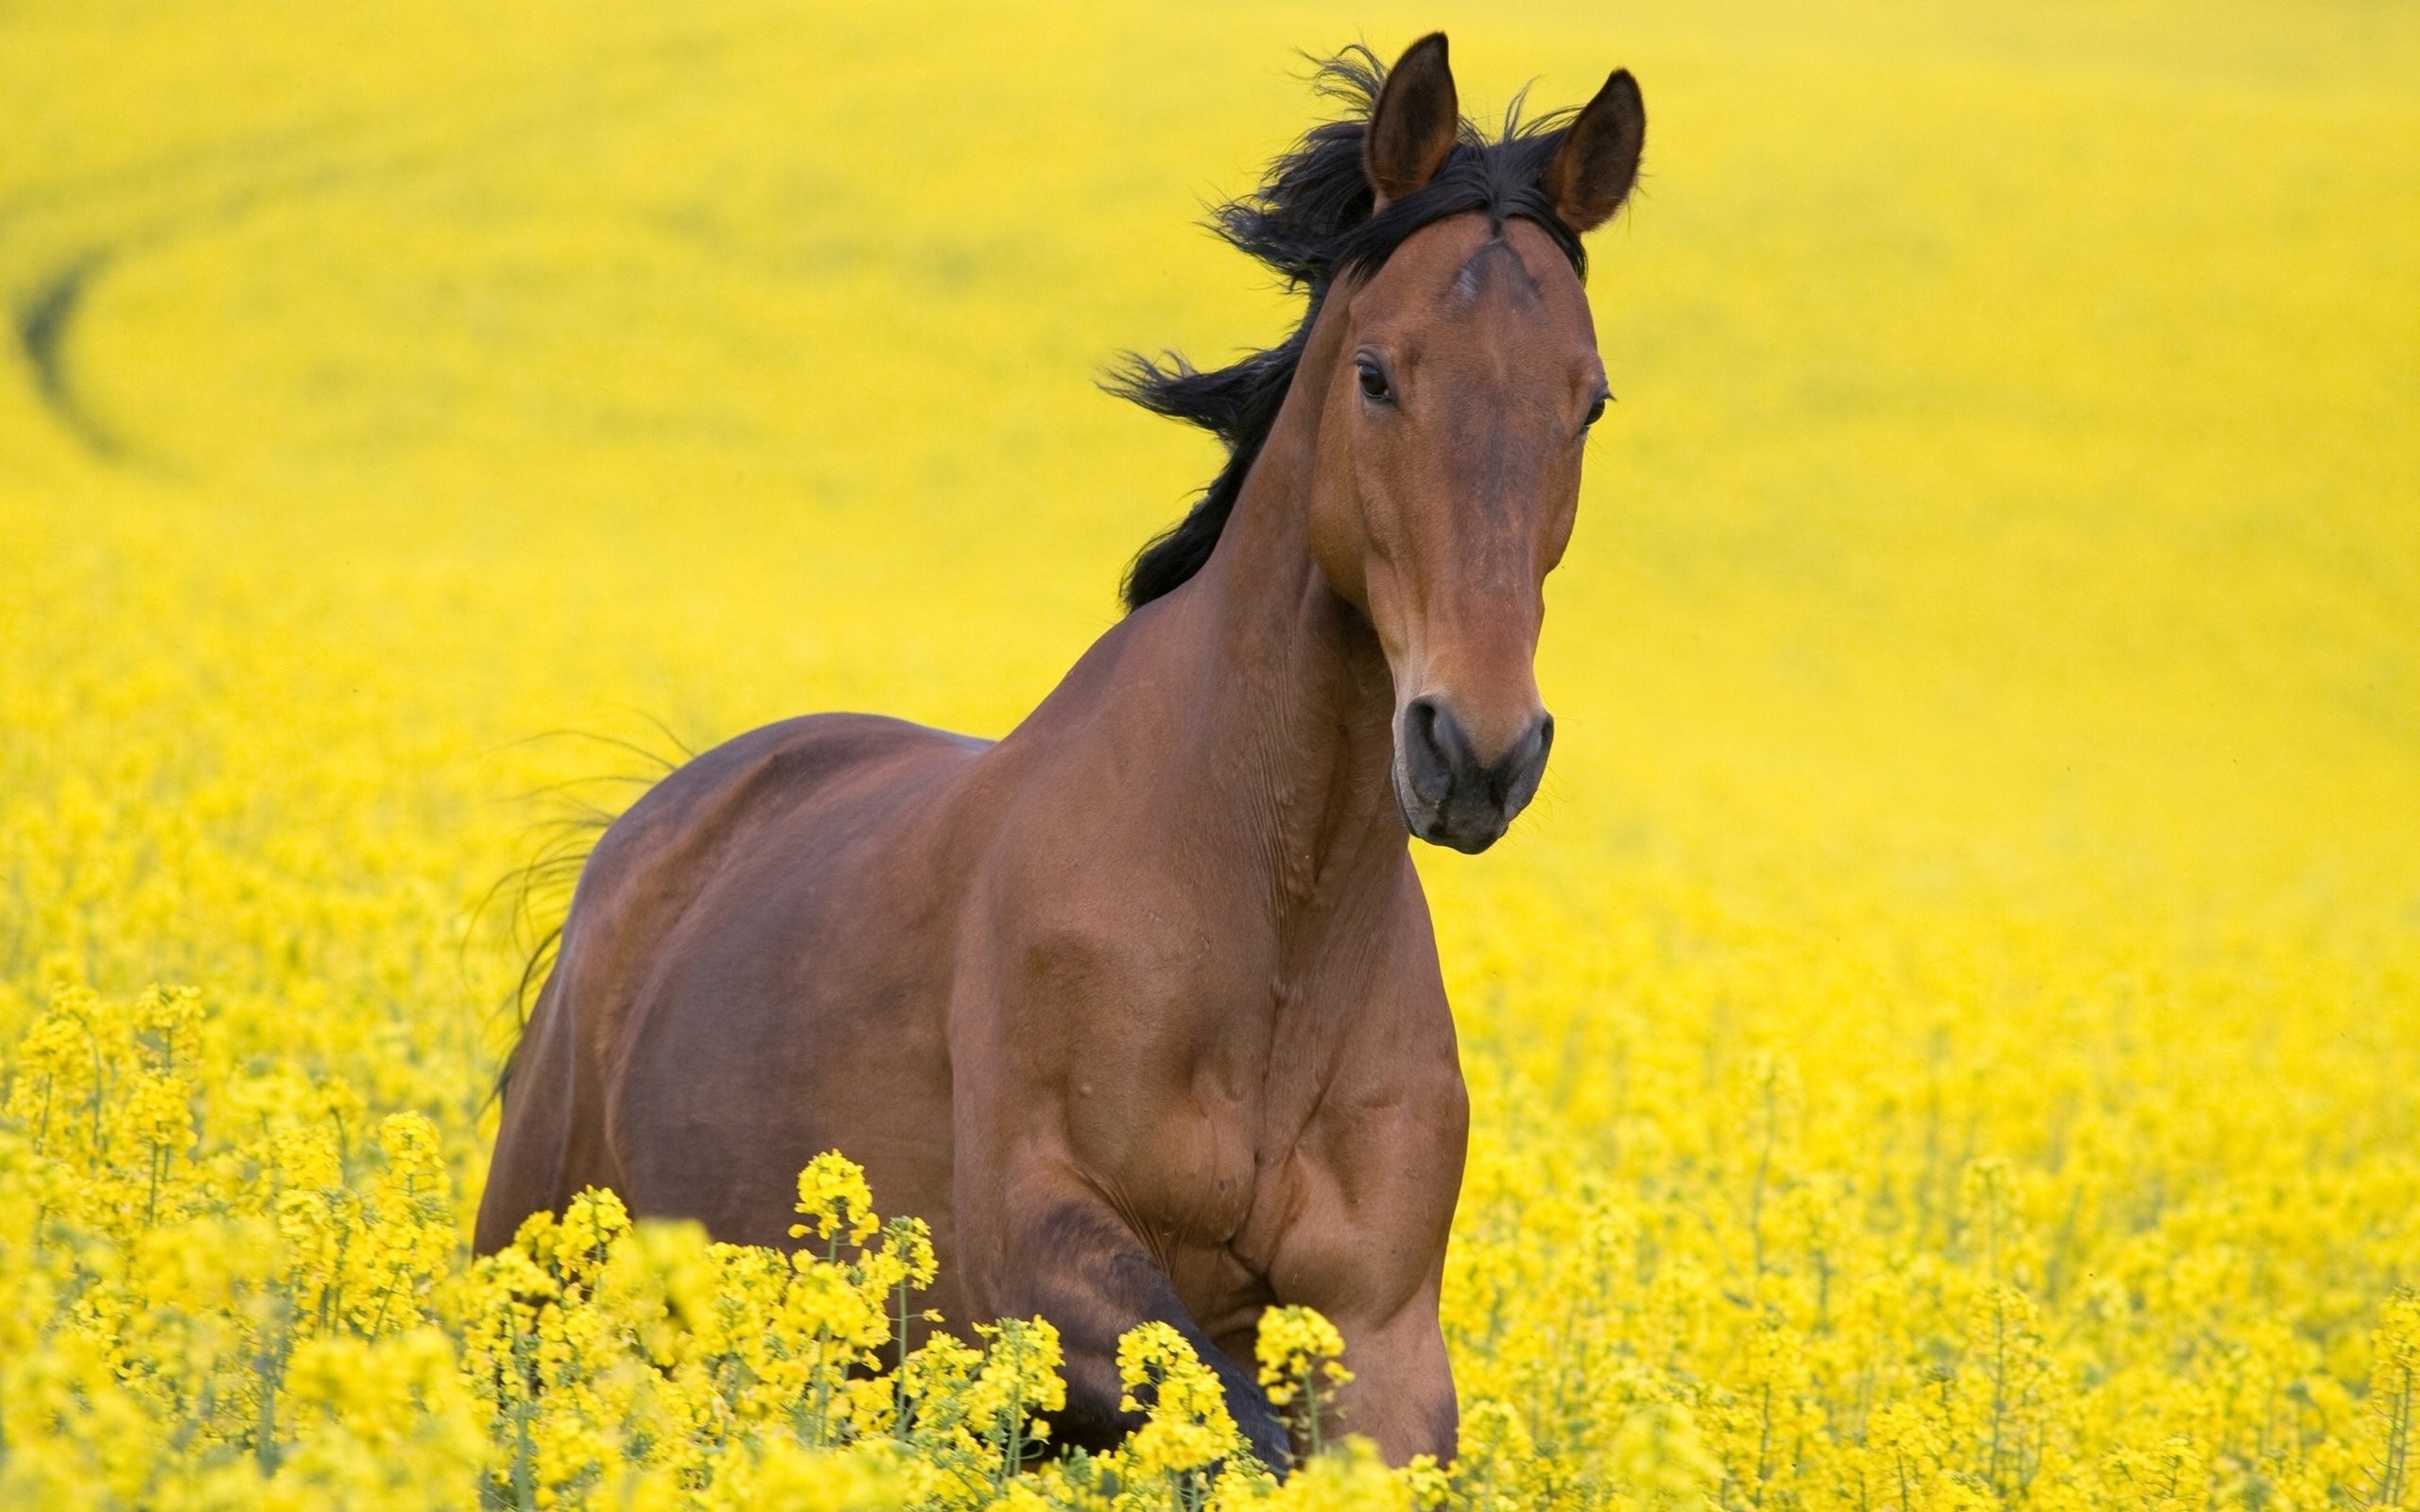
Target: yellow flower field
(1948,1036)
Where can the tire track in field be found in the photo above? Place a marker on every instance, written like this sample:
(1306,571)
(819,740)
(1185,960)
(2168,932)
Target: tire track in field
(42,322)
(48,280)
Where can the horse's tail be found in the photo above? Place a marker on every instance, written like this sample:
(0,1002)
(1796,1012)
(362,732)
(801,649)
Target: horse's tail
(536,896)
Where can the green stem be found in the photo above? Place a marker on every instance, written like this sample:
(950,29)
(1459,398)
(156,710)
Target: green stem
(271,1368)
(1311,1402)
(899,1370)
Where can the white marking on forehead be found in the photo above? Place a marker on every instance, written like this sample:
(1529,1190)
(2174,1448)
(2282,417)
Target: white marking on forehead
(1495,265)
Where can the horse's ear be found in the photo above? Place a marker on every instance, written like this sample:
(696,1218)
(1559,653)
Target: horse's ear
(1412,126)
(1591,174)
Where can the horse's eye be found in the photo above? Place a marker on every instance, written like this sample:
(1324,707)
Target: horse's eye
(1374,383)
(1596,411)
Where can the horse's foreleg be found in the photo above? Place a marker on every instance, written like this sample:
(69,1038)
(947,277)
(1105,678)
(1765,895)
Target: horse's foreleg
(1401,1392)
(1075,1263)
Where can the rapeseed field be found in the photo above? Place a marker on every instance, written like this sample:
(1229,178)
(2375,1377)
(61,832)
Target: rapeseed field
(1948,1036)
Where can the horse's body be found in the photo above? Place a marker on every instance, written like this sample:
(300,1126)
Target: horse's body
(1139,1008)
(809,937)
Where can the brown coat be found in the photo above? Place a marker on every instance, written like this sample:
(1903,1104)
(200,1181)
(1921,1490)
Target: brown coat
(1139,1008)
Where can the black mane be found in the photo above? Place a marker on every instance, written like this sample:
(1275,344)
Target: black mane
(1310,222)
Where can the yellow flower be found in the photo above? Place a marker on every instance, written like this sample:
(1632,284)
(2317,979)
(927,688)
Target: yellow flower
(1299,1352)
(1291,1343)
(1187,1425)
(832,1195)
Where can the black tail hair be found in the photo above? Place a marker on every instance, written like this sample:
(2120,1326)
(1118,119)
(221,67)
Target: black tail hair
(536,894)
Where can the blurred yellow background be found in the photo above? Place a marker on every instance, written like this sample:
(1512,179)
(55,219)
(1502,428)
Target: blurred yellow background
(1987,672)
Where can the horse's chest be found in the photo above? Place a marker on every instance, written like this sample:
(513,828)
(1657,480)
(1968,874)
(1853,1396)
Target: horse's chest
(1229,1139)
(1214,1095)
(1191,1179)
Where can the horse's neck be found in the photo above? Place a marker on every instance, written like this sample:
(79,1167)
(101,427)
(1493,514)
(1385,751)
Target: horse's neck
(1293,703)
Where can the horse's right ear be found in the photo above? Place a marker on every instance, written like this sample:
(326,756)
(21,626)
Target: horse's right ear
(1592,172)
(1412,126)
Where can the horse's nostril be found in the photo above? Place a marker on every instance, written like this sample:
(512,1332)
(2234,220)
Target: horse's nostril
(1428,735)
(1518,775)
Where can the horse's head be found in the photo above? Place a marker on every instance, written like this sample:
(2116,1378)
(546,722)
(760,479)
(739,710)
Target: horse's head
(1451,438)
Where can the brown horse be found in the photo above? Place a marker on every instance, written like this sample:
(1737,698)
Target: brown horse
(1139,1007)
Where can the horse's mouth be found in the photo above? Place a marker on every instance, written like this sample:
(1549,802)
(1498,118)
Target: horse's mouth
(1454,822)
(1452,798)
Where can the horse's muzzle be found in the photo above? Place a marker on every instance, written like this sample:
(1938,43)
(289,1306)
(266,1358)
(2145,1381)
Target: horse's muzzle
(1449,796)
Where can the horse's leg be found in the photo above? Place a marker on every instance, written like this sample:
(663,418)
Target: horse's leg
(534,1135)
(1401,1392)
(1071,1260)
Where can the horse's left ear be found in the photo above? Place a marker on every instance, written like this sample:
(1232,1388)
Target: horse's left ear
(1411,126)
(1591,174)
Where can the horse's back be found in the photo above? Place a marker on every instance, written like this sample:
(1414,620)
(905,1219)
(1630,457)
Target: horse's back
(718,931)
